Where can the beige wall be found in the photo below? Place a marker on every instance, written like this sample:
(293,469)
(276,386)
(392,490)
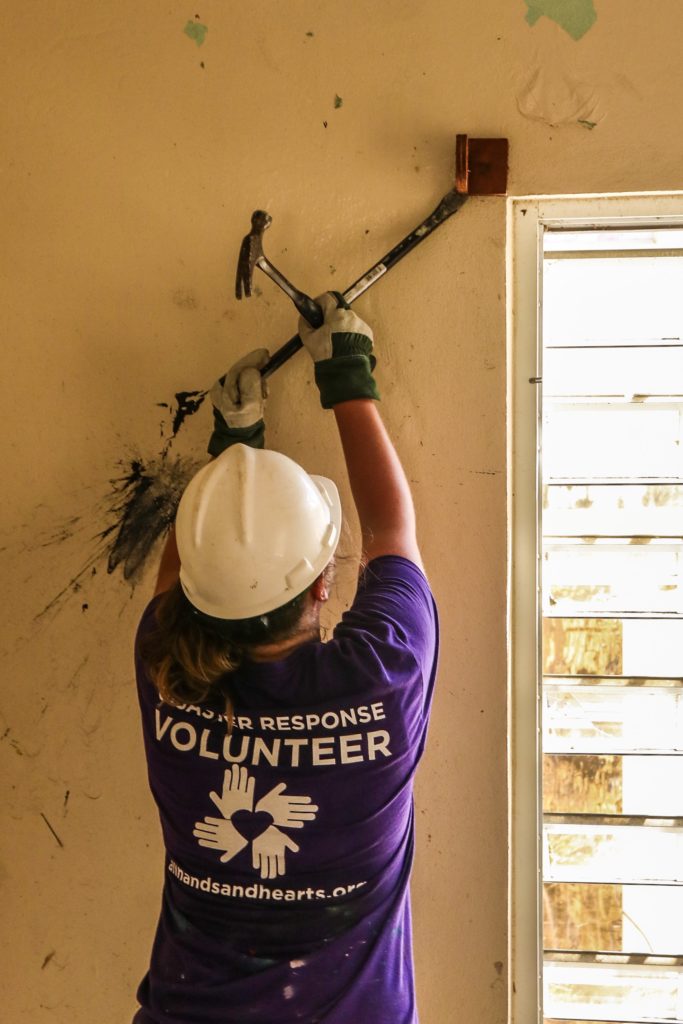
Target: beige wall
(133,158)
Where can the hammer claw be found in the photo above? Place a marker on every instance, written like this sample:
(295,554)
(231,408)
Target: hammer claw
(251,255)
(243,277)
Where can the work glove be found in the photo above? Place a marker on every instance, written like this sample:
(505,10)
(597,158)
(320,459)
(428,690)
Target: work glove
(341,351)
(238,401)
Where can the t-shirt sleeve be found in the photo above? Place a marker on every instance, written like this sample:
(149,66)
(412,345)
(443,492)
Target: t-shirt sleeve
(393,618)
(146,689)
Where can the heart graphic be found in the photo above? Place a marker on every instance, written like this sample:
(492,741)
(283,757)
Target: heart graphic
(251,824)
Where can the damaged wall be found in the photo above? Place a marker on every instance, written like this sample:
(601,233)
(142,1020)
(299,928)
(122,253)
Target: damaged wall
(138,139)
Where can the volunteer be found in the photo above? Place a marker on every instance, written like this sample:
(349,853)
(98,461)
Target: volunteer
(283,766)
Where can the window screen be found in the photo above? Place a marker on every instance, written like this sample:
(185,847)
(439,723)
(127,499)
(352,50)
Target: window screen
(612,624)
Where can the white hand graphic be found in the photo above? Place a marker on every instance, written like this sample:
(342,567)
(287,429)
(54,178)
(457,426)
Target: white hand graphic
(220,834)
(238,792)
(268,852)
(290,811)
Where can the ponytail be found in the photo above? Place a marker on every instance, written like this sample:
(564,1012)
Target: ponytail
(190,656)
(184,659)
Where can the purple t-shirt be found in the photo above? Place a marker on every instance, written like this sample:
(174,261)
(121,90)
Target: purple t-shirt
(289,842)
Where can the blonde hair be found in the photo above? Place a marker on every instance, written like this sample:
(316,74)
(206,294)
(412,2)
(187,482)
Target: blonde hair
(190,656)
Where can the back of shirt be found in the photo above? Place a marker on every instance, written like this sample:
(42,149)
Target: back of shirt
(298,824)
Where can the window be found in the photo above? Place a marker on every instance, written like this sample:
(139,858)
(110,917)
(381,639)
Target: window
(596,610)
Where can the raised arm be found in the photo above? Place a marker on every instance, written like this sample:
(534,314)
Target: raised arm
(342,352)
(238,399)
(378,483)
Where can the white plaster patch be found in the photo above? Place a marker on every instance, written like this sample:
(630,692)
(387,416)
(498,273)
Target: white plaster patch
(555,98)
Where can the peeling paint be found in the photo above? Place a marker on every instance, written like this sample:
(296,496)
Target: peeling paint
(196,31)
(575,16)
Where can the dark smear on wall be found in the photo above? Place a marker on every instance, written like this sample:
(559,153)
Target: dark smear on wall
(47,959)
(144,505)
(138,510)
(67,590)
(187,403)
(63,532)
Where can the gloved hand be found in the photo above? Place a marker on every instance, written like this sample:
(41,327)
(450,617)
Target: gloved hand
(238,400)
(342,352)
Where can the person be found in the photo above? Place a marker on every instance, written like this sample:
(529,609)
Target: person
(282,765)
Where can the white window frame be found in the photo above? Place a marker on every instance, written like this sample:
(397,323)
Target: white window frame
(527,217)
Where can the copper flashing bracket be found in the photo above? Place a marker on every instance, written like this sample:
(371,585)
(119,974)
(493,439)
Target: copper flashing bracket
(481,166)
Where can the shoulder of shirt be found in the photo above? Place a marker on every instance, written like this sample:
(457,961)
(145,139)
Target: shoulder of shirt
(383,562)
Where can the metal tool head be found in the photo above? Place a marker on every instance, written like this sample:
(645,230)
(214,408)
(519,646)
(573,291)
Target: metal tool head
(250,251)
(481,166)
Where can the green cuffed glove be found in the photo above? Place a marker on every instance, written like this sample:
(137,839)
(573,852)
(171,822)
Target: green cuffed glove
(238,402)
(342,352)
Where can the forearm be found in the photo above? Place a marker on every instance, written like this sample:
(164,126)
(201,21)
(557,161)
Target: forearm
(169,566)
(380,489)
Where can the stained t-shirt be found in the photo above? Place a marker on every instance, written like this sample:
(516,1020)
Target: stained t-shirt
(289,839)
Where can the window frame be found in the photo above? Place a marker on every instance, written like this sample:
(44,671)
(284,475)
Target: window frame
(527,218)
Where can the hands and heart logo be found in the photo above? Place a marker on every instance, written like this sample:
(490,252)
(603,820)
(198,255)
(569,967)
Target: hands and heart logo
(243,822)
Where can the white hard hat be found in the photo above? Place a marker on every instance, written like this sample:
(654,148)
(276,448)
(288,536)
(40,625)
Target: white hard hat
(254,530)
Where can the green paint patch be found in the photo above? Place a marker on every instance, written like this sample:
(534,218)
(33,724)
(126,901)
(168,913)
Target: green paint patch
(575,16)
(590,125)
(196,31)
(338,102)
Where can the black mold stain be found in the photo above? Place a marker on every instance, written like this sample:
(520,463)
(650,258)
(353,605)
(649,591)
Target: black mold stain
(187,403)
(138,511)
(144,505)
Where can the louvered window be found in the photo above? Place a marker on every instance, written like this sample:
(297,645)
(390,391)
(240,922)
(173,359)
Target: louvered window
(609,545)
